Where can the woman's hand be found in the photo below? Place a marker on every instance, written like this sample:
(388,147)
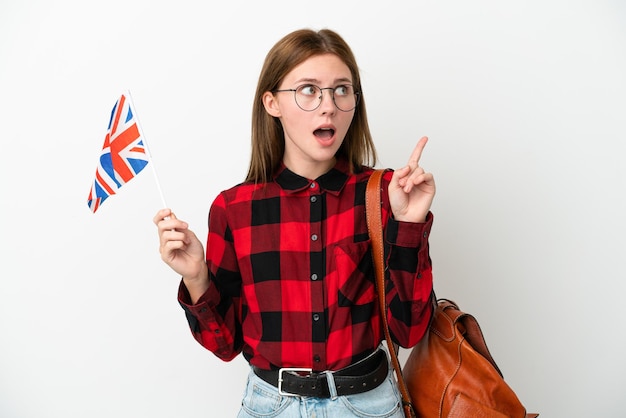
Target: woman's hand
(181,249)
(412,190)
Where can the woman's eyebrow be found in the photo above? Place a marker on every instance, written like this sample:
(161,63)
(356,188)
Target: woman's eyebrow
(316,81)
(343,80)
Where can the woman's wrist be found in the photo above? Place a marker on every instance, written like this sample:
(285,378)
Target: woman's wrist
(197,284)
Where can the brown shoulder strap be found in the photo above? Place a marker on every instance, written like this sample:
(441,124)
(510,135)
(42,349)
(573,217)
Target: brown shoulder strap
(375,228)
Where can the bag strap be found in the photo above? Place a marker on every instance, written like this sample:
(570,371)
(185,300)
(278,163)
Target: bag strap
(375,227)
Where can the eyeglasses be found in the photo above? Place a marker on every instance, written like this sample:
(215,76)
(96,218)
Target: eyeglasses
(308,97)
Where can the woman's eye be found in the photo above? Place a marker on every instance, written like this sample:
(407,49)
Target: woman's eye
(342,90)
(308,90)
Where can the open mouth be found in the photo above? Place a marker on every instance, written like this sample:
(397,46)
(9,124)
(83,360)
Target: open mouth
(324,133)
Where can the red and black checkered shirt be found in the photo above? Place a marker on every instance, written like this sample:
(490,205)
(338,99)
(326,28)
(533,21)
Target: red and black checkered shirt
(292,278)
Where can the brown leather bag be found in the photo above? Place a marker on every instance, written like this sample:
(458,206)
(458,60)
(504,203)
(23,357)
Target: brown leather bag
(450,372)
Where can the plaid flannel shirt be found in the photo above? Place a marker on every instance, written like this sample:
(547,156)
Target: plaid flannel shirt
(292,278)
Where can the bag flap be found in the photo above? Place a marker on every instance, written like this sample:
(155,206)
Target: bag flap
(449,320)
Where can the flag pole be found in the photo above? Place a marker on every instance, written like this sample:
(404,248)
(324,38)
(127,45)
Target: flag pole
(145,143)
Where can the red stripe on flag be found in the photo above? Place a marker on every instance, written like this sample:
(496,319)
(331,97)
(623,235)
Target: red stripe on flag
(104,184)
(119,144)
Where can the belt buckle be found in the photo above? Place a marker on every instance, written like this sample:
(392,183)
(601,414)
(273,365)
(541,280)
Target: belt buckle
(280,378)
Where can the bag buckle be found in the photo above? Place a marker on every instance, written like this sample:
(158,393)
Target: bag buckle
(289,370)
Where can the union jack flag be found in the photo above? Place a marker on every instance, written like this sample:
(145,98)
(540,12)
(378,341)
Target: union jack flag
(123,154)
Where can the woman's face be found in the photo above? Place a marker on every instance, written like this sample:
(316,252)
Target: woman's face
(312,138)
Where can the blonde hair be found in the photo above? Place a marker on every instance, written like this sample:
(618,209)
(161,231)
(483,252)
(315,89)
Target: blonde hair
(268,142)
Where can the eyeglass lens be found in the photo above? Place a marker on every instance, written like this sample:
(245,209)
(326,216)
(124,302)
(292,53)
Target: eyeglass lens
(309,97)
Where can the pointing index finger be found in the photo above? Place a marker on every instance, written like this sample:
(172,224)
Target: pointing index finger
(417,152)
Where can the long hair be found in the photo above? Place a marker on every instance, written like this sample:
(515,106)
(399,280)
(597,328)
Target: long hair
(268,142)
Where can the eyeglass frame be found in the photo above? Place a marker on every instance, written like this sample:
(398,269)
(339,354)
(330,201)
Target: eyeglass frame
(357,95)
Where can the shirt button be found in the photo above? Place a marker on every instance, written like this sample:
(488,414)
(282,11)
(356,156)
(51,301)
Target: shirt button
(314,276)
(317,358)
(316,317)
(313,185)
(313,199)
(314,237)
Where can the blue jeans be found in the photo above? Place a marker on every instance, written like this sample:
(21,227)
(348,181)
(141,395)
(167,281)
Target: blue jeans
(262,400)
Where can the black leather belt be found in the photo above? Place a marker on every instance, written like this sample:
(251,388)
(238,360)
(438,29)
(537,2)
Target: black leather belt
(357,378)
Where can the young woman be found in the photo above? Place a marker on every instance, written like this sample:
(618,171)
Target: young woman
(287,278)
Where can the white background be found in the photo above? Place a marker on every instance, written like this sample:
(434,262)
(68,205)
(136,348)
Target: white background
(525,105)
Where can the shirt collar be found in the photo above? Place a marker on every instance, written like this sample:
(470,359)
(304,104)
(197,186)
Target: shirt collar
(331,182)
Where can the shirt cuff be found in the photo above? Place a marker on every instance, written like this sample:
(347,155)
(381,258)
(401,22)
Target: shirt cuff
(409,234)
(202,308)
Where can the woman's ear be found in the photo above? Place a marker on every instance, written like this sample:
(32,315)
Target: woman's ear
(271,104)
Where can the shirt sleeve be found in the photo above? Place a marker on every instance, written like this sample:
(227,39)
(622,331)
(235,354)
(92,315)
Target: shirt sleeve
(409,279)
(214,319)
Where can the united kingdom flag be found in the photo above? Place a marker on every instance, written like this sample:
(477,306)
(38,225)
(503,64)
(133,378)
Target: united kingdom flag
(123,154)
